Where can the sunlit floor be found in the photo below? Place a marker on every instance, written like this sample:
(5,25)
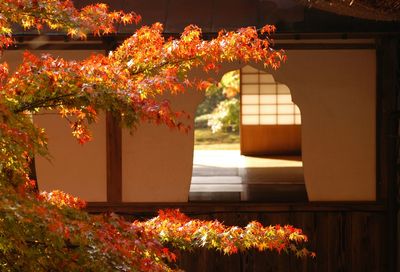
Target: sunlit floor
(225,175)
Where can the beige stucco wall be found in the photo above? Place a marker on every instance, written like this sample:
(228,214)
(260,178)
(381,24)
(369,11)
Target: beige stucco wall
(73,168)
(335,91)
(77,169)
(157,161)
(336,94)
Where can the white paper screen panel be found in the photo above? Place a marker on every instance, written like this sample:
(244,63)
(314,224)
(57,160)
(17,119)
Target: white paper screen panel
(286,109)
(250,119)
(268,119)
(266,88)
(250,78)
(297,119)
(285,119)
(264,101)
(268,99)
(283,89)
(250,109)
(250,89)
(250,99)
(266,78)
(284,99)
(268,109)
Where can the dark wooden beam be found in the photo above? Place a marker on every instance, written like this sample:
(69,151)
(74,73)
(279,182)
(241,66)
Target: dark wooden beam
(99,46)
(59,46)
(323,46)
(62,42)
(234,207)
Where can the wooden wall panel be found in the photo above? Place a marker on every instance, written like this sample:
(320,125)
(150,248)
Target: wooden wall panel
(270,140)
(347,237)
(343,241)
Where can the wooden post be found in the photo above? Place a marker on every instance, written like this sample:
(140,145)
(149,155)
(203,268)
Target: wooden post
(113,145)
(387,137)
(114,159)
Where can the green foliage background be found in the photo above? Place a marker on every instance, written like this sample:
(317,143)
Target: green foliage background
(221,107)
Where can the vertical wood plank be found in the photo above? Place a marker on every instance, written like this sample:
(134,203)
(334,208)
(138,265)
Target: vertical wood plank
(387,131)
(396,193)
(369,247)
(386,121)
(306,222)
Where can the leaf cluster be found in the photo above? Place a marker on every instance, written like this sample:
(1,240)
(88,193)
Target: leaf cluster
(49,232)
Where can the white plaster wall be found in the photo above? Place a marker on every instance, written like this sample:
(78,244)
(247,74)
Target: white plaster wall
(73,168)
(77,169)
(336,93)
(157,161)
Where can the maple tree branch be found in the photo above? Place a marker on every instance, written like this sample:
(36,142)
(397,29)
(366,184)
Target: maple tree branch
(163,64)
(41,103)
(43,113)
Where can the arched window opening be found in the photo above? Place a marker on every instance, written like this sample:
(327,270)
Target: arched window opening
(217,117)
(266,165)
(270,121)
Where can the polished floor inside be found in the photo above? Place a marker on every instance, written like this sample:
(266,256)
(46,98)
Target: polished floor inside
(225,175)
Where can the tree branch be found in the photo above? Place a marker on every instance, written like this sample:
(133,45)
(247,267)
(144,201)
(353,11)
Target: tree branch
(42,103)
